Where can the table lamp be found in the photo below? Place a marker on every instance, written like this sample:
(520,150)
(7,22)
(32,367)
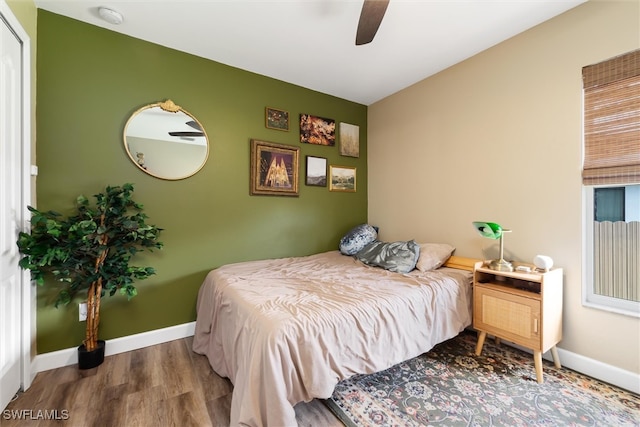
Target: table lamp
(492,230)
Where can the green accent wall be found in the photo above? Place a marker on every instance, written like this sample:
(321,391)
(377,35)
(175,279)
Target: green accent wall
(89,81)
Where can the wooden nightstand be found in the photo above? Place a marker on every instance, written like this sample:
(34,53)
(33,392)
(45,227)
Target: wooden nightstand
(523,308)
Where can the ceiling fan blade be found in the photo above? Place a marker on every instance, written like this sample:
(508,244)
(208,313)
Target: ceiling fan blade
(186,133)
(370,19)
(194,124)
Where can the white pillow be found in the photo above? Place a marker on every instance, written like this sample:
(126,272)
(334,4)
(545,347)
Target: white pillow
(433,255)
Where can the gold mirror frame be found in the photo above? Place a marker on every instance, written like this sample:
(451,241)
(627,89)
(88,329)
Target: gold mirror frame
(151,147)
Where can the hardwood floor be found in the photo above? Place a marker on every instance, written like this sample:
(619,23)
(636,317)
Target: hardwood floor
(158,386)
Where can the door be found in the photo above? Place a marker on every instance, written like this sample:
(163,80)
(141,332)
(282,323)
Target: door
(14,185)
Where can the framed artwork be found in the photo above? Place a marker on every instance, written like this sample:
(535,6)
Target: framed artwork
(274,169)
(349,140)
(316,171)
(317,130)
(277,119)
(342,178)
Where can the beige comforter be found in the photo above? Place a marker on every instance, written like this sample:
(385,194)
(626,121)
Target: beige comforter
(287,330)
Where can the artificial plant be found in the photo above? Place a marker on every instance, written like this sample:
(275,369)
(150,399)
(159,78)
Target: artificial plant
(90,250)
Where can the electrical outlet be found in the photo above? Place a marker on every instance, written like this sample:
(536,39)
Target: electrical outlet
(82,312)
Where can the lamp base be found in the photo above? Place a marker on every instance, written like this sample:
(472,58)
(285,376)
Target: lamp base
(500,265)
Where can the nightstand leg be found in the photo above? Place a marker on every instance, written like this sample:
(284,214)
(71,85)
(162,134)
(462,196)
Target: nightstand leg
(537,359)
(480,343)
(556,358)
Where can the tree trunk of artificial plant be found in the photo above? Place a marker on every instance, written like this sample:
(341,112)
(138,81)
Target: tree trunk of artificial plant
(93,300)
(93,315)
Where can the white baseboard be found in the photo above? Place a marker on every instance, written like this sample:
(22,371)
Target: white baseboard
(601,371)
(592,368)
(69,356)
(57,359)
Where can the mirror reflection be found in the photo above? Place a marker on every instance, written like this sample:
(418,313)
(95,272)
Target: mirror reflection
(166,141)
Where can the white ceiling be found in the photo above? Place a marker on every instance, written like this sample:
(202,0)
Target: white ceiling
(311,43)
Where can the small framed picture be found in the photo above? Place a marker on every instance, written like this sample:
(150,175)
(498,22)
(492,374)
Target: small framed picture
(342,178)
(274,169)
(316,171)
(277,119)
(349,140)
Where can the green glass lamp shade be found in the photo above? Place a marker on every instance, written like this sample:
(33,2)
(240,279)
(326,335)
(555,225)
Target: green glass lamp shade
(490,230)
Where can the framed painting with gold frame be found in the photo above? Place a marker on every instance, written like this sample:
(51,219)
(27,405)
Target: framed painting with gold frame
(274,169)
(342,178)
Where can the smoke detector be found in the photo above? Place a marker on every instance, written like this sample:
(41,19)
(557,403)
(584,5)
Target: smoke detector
(110,15)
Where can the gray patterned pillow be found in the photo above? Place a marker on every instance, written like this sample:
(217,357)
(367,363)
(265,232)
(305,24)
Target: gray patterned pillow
(357,238)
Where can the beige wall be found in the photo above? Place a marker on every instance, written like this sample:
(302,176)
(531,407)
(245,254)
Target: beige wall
(499,138)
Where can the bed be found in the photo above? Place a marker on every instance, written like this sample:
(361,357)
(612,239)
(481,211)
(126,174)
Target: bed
(288,330)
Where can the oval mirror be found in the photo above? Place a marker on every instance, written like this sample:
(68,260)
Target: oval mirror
(166,141)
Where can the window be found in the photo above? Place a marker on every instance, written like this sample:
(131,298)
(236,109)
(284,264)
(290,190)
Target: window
(611,178)
(613,255)
(609,204)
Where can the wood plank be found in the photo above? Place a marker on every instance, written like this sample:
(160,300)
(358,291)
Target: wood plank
(162,385)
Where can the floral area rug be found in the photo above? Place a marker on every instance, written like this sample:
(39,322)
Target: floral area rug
(451,386)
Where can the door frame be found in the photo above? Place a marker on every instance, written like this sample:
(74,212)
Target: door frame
(28,294)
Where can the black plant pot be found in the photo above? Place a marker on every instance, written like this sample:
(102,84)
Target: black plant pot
(91,359)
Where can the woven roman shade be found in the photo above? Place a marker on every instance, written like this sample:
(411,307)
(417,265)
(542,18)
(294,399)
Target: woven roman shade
(612,121)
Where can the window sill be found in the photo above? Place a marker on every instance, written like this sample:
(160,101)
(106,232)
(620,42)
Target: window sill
(614,305)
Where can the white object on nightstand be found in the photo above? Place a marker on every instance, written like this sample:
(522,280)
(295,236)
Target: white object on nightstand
(543,263)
